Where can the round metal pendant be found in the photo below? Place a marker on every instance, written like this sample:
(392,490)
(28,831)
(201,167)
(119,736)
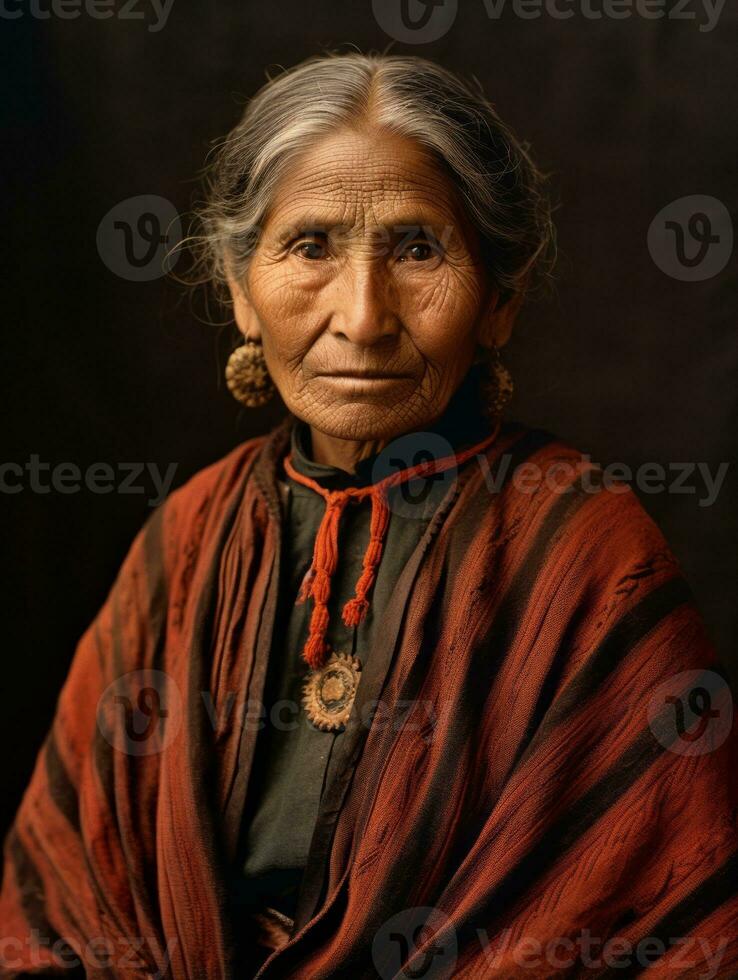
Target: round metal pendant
(329,692)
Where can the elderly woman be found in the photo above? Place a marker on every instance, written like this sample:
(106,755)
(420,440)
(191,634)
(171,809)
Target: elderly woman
(398,689)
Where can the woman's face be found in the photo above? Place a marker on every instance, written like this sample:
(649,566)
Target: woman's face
(366,288)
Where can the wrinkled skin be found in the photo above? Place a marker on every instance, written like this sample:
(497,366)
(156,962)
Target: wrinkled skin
(367,263)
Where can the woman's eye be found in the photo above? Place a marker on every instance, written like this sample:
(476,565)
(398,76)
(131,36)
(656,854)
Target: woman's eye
(311,250)
(418,252)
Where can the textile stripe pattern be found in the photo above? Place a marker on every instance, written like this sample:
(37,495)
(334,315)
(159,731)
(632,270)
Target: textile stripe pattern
(523,778)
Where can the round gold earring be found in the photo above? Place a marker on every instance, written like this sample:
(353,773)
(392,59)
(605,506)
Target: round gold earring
(247,376)
(498,386)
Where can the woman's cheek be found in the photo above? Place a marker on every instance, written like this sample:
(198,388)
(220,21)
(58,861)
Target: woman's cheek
(441,316)
(277,280)
(426,293)
(293,329)
(409,284)
(277,303)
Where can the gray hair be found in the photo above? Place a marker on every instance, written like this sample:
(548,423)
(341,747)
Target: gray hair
(502,189)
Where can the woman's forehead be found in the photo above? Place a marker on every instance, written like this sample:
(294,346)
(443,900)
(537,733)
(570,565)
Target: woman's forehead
(368,180)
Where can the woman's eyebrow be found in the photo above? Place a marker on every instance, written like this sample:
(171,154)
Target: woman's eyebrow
(425,220)
(304,226)
(400,226)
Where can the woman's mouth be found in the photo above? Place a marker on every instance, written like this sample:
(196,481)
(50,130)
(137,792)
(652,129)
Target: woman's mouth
(359,373)
(361,381)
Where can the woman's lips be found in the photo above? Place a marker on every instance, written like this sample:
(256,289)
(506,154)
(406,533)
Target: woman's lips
(365,381)
(361,374)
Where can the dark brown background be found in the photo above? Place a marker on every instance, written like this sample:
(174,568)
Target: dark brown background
(625,362)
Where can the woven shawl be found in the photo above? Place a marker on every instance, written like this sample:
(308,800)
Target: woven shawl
(528,762)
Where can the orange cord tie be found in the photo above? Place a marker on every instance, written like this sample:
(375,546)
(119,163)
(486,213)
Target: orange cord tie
(317,581)
(356,609)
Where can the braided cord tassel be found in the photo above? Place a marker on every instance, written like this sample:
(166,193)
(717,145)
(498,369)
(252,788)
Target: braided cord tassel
(356,608)
(316,583)
(325,560)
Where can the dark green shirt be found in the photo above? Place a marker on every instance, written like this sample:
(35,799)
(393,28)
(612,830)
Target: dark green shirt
(294,759)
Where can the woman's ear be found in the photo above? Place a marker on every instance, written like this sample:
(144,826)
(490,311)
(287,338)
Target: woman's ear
(498,321)
(243,312)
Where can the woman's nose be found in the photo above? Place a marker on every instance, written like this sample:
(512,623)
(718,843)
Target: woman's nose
(364,311)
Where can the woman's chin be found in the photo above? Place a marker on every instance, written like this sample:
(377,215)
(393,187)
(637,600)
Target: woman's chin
(362,420)
(360,408)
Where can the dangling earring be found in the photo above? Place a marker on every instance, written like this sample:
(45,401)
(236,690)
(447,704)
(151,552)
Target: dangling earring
(247,376)
(498,387)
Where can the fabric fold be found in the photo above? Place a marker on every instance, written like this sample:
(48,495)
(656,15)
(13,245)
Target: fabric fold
(548,758)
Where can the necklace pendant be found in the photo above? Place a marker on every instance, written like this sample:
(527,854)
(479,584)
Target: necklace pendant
(329,691)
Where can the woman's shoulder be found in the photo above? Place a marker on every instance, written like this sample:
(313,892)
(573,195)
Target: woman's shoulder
(557,541)
(216,480)
(559,506)
(549,471)
(203,501)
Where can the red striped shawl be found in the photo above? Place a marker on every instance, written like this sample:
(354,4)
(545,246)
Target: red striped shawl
(524,785)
